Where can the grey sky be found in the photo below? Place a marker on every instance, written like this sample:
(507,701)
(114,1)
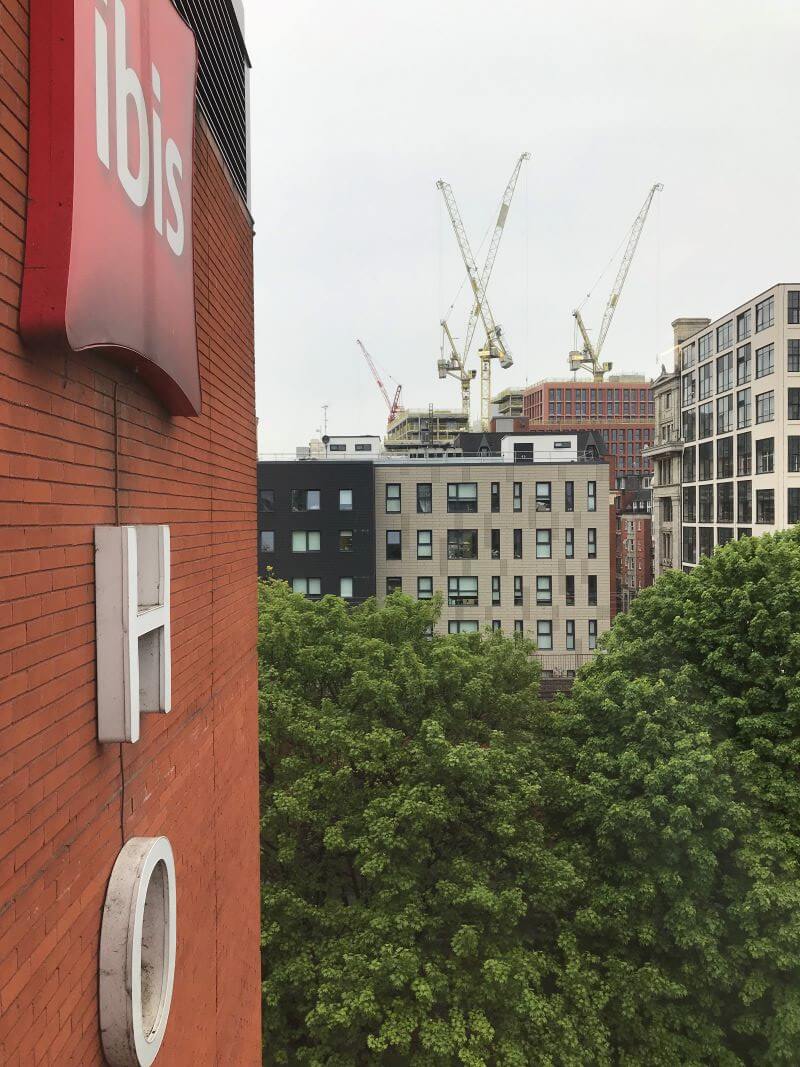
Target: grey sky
(360,105)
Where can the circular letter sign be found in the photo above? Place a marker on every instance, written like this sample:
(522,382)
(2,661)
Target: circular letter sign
(137,952)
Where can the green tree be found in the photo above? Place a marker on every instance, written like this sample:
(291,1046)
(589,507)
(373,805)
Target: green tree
(412,899)
(677,770)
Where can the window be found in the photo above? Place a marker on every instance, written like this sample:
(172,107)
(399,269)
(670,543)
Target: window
(724,535)
(690,504)
(743,365)
(705,503)
(496,624)
(495,494)
(725,336)
(765,314)
(744,453)
(688,355)
(793,307)
(306,541)
(394,544)
(706,540)
(519,626)
(592,590)
(543,496)
(304,500)
(495,544)
(794,455)
(363,447)
(743,408)
(793,357)
(591,542)
(592,634)
(765,455)
(544,544)
(462,496)
(688,421)
(462,544)
(425,588)
(345,500)
(337,448)
(704,347)
(307,586)
(570,590)
(570,635)
(424,498)
(592,496)
(463,626)
(267,540)
(544,589)
(744,501)
(689,544)
(346,588)
(744,325)
(394,585)
(724,502)
(424,544)
(706,382)
(462,591)
(725,373)
(793,413)
(345,540)
(793,506)
(544,635)
(765,407)
(496,599)
(725,457)
(705,420)
(688,388)
(689,464)
(518,544)
(666,509)
(665,472)
(765,360)
(267,499)
(393,498)
(569,496)
(765,506)
(744,532)
(517,496)
(725,413)
(518,596)
(569,543)
(705,455)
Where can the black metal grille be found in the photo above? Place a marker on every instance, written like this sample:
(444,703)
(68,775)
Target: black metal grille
(222,79)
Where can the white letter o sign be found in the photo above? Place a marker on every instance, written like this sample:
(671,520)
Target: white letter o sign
(137,952)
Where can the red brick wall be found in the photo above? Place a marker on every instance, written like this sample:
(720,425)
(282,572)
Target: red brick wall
(82,442)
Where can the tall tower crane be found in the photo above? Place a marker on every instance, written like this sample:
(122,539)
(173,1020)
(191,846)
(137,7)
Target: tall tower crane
(392,405)
(455,365)
(589,356)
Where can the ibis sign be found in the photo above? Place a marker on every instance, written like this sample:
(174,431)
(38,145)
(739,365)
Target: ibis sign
(108,257)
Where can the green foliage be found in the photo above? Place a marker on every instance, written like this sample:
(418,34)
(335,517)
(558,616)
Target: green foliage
(455,873)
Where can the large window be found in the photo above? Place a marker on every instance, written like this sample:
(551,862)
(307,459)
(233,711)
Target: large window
(689,544)
(706,540)
(689,464)
(518,594)
(345,540)
(394,585)
(462,496)
(267,540)
(725,457)
(570,633)
(744,455)
(495,495)
(544,544)
(345,500)
(793,356)
(425,587)
(688,389)
(462,544)
(267,499)
(724,535)
(793,505)
(765,361)
(765,506)
(725,373)
(517,491)
(496,597)
(744,325)
(688,355)
(705,420)
(517,544)
(346,588)
(725,502)
(544,589)
(794,455)
(592,496)
(725,413)
(744,501)
(393,498)
(592,634)
(592,590)
(591,542)
(569,590)
(765,406)
(463,626)
(569,496)
(569,543)
(743,365)
(793,409)
(495,544)
(688,425)
(394,544)
(544,635)
(462,591)
(424,498)
(743,408)
(706,381)
(705,458)
(666,509)
(424,544)
(304,500)
(793,307)
(765,455)
(704,346)
(690,504)
(306,541)
(307,586)
(544,500)
(765,314)
(705,503)
(725,336)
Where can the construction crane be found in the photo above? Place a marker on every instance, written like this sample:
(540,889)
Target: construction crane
(392,405)
(589,357)
(455,366)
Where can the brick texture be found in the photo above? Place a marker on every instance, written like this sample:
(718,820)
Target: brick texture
(83,442)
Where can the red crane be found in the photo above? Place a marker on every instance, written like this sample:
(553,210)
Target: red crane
(392,405)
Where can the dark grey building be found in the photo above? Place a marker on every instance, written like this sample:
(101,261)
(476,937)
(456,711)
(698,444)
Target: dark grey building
(316,526)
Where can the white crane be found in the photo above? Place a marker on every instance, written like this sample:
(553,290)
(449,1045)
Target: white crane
(495,347)
(393,405)
(589,357)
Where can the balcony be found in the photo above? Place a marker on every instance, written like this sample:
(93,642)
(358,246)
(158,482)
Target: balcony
(663,448)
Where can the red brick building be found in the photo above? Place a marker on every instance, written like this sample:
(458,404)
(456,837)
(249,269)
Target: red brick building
(84,442)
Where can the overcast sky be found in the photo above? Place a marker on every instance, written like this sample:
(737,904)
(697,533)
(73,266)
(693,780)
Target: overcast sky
(359,106)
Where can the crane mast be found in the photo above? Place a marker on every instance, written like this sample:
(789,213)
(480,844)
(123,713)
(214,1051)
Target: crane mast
(589,357)
(392,404)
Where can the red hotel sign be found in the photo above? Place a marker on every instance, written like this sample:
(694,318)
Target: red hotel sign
(108,258)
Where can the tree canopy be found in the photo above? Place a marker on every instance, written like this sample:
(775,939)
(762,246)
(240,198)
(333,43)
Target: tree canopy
(457,873)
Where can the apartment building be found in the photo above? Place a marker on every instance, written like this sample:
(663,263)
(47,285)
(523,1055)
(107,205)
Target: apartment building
(517,541)
(734,465)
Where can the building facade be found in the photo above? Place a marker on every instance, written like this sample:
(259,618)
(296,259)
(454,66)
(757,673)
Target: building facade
(87,445)
(317,526)
(415,432)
